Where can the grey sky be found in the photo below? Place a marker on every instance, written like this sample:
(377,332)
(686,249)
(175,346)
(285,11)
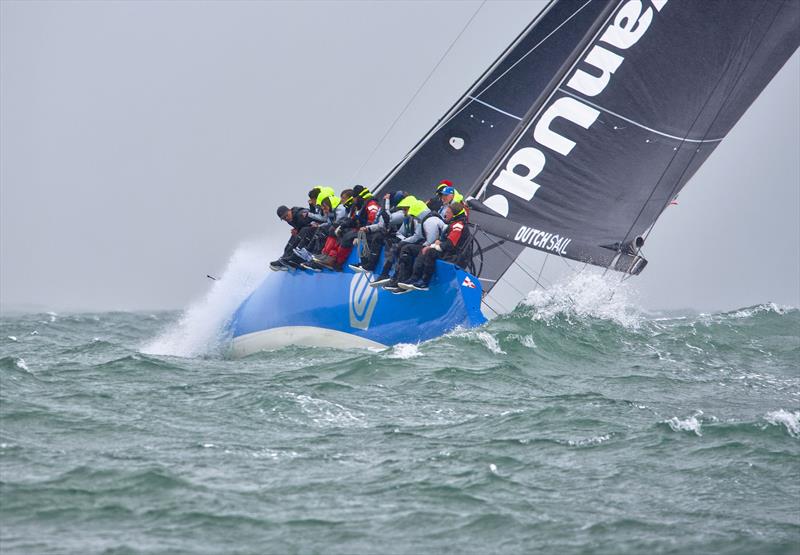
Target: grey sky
(142,142)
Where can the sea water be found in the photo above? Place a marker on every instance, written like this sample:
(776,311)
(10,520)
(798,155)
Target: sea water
(575,424)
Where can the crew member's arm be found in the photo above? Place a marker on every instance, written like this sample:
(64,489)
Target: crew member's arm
(433,227)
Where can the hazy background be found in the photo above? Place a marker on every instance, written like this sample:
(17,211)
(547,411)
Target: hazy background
(142,142)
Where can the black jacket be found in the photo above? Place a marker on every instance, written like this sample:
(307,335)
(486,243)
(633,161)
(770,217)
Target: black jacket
(455,237)
(300,218)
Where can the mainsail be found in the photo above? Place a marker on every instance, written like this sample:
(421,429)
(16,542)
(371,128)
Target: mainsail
(469,137)
(592,121)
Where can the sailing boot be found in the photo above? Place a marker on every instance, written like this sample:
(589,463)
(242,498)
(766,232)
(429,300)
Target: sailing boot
(370,263)
(391,285)
(277,265)
(416,285)
(324,260)
(382,279)
(341,257)
(291,263)
(303,253)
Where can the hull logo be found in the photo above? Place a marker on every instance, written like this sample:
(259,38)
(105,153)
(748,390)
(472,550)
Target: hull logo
(363,299)
(468,283)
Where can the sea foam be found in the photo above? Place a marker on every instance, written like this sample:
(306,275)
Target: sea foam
(201,329)
(587,294)
(404,351)
(690,424)
(791,420)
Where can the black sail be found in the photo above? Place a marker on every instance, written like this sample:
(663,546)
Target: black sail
(475,131)
(639,110)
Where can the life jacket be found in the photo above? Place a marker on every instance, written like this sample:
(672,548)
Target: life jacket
(368,213)
(409,226)
(430,214)
(455,238)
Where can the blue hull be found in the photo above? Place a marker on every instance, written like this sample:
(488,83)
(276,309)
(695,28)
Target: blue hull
(339,309)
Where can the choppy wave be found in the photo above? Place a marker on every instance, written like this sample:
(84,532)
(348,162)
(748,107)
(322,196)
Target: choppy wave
(544,430)
(586,295)
(790,420)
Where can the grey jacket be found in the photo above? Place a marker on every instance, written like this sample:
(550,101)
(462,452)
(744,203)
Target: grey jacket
(431,228)
(395,221)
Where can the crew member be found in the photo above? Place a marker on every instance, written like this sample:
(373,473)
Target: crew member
(450,247)
(436,203)
(299,219)
(448,195)
(381,233)
(409,232)
(362,213)
(430,226)
(333,209)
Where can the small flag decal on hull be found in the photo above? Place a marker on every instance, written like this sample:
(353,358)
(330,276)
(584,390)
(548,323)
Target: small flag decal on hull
(468,283)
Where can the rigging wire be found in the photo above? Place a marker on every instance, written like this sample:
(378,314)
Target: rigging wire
(489,307)
(546,256)
(494,82)
(444,121)
(515,261)
(537,45)
(414,96)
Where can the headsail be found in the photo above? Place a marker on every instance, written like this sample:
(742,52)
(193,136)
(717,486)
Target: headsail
(638,112)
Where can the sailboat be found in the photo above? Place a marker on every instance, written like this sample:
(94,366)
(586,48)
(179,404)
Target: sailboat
(572,143)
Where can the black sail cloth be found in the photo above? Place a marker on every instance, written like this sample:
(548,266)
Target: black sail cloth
(592,121)
(647,101)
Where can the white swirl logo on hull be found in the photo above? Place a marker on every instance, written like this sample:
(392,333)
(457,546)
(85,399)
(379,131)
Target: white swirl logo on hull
(363,299)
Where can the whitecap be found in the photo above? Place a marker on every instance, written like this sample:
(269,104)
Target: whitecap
(750,311)
(584,442)
(404,351)
(486,338)
(527,341)
(690,424)
(490,342)
(587,294)
(12,338)
(791,420)
(20,362)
